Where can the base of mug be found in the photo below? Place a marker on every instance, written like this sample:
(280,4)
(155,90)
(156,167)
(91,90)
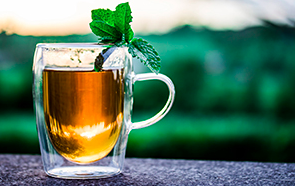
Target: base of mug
(83,172)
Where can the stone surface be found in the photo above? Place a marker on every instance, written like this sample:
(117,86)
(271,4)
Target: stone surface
(28,170)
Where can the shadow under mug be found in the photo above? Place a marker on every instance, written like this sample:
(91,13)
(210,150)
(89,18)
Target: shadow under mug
(83,117)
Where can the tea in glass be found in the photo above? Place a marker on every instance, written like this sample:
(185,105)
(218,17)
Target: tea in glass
(83,111)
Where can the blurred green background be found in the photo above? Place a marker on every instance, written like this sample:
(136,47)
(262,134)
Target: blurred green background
(234,94)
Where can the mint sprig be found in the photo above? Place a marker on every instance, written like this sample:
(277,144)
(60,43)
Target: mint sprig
(114,27)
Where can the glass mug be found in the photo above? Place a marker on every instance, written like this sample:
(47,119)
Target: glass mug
(83,117)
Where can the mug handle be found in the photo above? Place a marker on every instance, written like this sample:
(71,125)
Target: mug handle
(168,105)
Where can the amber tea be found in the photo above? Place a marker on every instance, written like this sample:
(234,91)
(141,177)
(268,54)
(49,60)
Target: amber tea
(83,111)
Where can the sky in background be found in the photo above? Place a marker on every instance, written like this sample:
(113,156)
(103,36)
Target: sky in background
(63,17)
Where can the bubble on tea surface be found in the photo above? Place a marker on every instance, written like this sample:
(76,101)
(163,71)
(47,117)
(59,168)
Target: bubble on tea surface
(70,57)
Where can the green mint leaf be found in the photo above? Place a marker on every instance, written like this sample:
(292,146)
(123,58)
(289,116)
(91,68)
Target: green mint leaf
(123,19)
(114,27)
(105,15)
(103,25)
(104,30)
(129,35)
(107,40)
(146,53)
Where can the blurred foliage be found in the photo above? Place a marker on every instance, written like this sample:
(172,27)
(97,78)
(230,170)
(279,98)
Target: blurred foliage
(234,94)
(250,71)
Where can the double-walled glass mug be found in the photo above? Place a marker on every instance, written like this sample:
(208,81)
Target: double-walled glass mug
(84,117)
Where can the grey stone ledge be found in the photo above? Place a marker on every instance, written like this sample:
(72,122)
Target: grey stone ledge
(28,170)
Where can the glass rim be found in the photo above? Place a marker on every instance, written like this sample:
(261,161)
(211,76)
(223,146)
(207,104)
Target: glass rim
(73,45)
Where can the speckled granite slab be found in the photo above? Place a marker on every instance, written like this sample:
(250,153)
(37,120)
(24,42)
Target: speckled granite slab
(28,170)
